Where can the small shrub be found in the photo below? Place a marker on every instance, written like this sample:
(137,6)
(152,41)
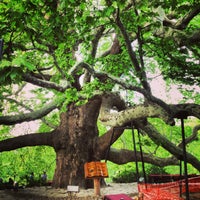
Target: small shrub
(125,176)
(155,170)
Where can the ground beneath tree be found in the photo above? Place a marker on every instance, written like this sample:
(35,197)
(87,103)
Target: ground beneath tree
(48,193)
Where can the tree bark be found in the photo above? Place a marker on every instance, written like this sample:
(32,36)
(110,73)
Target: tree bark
(34,139)
(75,144)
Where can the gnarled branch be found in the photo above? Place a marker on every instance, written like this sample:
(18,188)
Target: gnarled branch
(14,119)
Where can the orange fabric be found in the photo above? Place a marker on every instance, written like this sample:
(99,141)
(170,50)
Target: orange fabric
(168,191)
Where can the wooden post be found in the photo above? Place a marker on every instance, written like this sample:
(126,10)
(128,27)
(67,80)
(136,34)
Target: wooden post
(97,186)
(96,171)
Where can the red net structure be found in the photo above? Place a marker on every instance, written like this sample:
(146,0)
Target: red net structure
(168,191)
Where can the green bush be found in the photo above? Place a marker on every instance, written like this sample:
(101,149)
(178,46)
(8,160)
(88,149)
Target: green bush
(18,164)
(129,175)
(153,169)
(125,176)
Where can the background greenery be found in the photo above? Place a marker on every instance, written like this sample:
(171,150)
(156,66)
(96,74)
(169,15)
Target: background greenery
(21,162)
(127,172)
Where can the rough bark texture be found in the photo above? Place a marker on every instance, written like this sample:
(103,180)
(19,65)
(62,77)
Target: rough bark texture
(74,145)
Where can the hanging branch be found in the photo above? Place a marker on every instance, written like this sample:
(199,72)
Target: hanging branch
(29,109)
(183,22)
(140,73)
(95,42)
(14,119)
(43,83)
(123,156)
(158,138)
(192,137)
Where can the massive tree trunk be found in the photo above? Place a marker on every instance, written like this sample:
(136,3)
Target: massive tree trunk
(73,140)
(74,145)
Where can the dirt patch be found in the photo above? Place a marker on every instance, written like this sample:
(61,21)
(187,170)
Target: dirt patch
(49,193)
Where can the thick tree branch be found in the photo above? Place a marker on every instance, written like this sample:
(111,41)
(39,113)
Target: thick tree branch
(140,72)
(192,137)
(43,83)
(30,110)
(122,116)
(124,156)
(183,22)
(135,113)
(95,41)
(168,145)
(190,108)
(14,119)
(34,139)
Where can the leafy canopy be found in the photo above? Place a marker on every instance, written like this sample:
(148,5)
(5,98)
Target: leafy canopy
(54,44)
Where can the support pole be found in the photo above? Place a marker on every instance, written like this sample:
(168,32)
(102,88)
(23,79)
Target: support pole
(142,159)
(135,153)
(185,160)
(97,186)
(182,114)
(1,49)
(180,180)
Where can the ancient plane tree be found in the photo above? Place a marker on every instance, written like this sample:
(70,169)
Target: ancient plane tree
(93,62)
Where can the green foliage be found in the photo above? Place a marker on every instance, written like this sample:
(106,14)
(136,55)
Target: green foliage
(94,86)
(36,33)
(71,95)
(127,175)
(127,172)
(190,93)
(152,169)
(20,163)
(4,132)
(8,75)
